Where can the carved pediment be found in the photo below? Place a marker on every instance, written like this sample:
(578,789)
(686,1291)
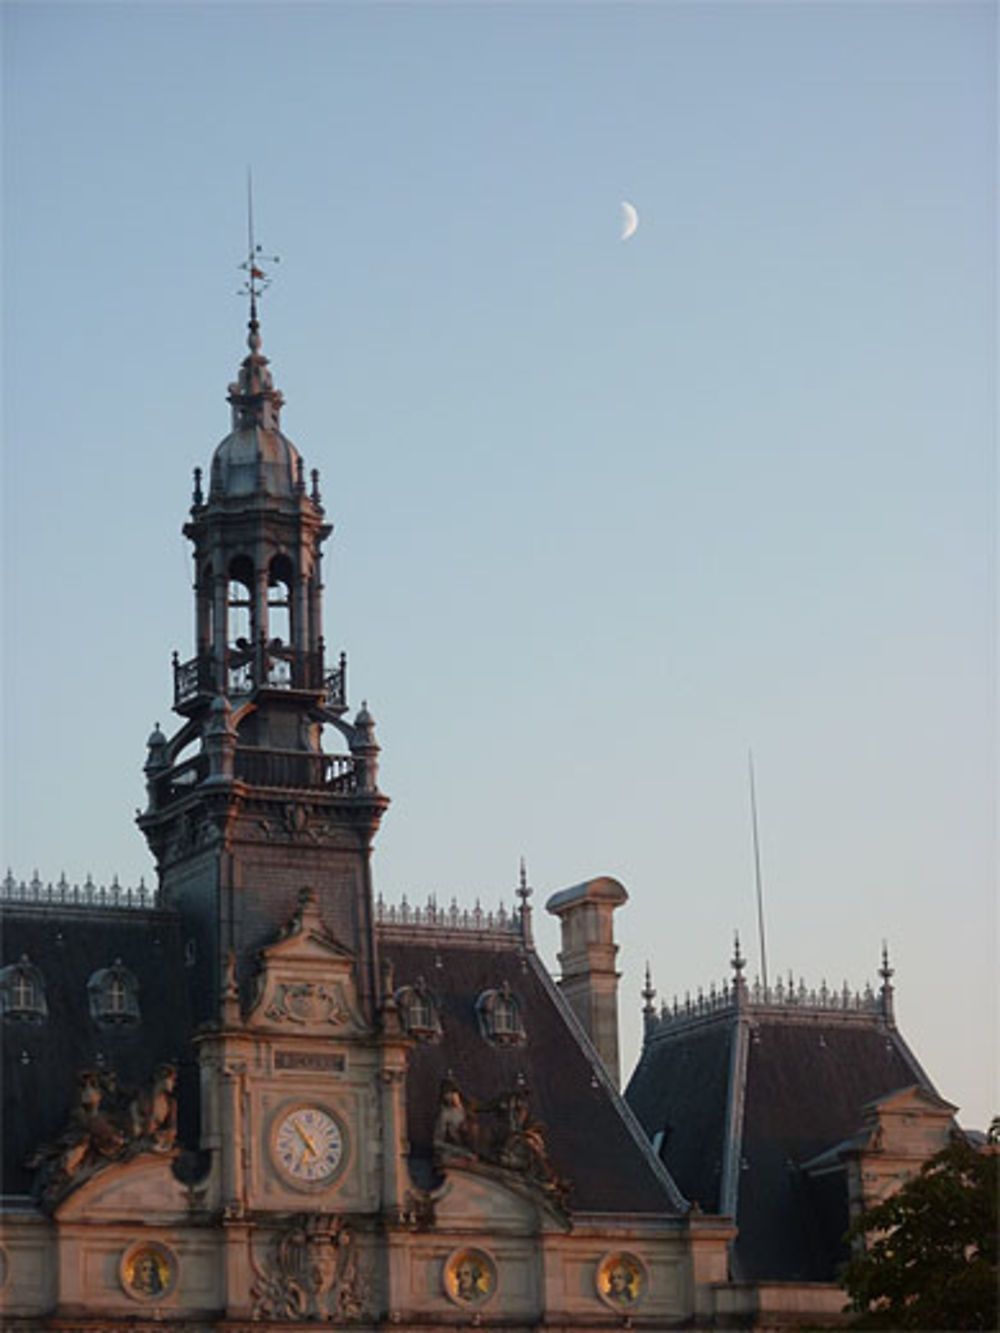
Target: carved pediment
(478,1197)
(306,983)
(142,1188)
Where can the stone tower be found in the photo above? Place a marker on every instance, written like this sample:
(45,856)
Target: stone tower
(245,807)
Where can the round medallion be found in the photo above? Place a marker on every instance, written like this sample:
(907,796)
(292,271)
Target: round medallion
(308,1145)
(621,1280)
(147,1271)
(470,1277)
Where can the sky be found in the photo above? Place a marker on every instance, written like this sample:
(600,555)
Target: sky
(608,514)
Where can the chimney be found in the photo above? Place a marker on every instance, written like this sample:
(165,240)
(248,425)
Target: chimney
(587,958)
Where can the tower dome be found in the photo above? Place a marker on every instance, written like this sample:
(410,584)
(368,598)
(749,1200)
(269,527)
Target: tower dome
(255,458)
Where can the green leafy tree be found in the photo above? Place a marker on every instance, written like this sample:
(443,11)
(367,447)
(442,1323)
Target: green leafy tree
(930,1260)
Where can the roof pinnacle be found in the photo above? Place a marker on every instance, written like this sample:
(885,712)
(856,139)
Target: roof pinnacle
(648,1008)
(524,892)
(886,991)
(737,962)
(885,971)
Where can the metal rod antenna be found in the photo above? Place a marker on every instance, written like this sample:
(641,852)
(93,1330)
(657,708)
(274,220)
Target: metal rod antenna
(250,213)
(757,874)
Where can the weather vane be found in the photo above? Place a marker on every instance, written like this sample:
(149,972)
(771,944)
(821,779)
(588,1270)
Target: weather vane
(257,280)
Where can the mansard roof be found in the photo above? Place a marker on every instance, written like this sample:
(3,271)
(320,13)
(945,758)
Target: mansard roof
(67,940)
(740,1092)
(592,1138)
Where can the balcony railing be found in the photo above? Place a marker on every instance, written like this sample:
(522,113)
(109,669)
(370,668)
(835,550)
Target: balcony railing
(296,768)
(191,678)
(181,779)
(283,669)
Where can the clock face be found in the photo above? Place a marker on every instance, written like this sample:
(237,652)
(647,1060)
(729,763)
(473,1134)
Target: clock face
(308,1145)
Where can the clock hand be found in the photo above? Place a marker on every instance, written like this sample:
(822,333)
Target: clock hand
(310,1147)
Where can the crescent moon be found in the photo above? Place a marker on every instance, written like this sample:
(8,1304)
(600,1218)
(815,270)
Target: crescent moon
(630,220)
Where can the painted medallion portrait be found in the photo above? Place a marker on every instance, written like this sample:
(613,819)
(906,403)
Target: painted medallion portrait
(148,1271)
(470,1277)
(621,1280)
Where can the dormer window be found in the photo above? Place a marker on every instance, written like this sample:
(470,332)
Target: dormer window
(418,1011)
(114,995)
(22,992)
(500,1017)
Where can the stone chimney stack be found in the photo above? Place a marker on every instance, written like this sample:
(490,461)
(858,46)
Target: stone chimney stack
(587,959)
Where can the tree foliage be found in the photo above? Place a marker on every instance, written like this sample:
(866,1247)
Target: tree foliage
(930,1260)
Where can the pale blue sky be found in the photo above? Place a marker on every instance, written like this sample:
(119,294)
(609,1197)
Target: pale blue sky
(607,514)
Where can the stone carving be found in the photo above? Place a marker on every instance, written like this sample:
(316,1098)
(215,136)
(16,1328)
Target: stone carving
(153,1112)
(454,1126)
(312,1273)
(500,1132)
(305,1002)
(108,1124)
(190,833)
(292,821)
(418,1211)
(470,1277)
(620,1280)
(147,1271)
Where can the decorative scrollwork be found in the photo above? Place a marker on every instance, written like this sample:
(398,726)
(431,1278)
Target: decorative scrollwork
(306,1002)
(311,1273)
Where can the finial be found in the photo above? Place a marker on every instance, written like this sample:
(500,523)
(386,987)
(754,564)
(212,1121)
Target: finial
(197,498)
(257,281)
(885,995)
(523,891)
(885,971)
(648,991)
(648,1008)
(737,962)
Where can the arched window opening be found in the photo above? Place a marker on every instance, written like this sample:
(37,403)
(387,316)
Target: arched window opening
(499,1015)
(22,992)
(117,995)
(206,608)
(25,992)
(279,622)
(114,995)
(418,1011)
(240,627)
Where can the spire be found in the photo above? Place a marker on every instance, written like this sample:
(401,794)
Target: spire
(524,893)
(648,1008)
(886,992)
(254,399)
(738,963)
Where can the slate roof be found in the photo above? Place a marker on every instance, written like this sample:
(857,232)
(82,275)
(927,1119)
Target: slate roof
(681,1089)
(592,1139)
(41,1059)
(804,1077)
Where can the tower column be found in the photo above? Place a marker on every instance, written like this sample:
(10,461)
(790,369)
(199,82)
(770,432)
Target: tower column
(258,618)
(299,614)
(315,602)
(220,628)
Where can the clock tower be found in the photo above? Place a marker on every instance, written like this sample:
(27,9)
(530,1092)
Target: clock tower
(246,806)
